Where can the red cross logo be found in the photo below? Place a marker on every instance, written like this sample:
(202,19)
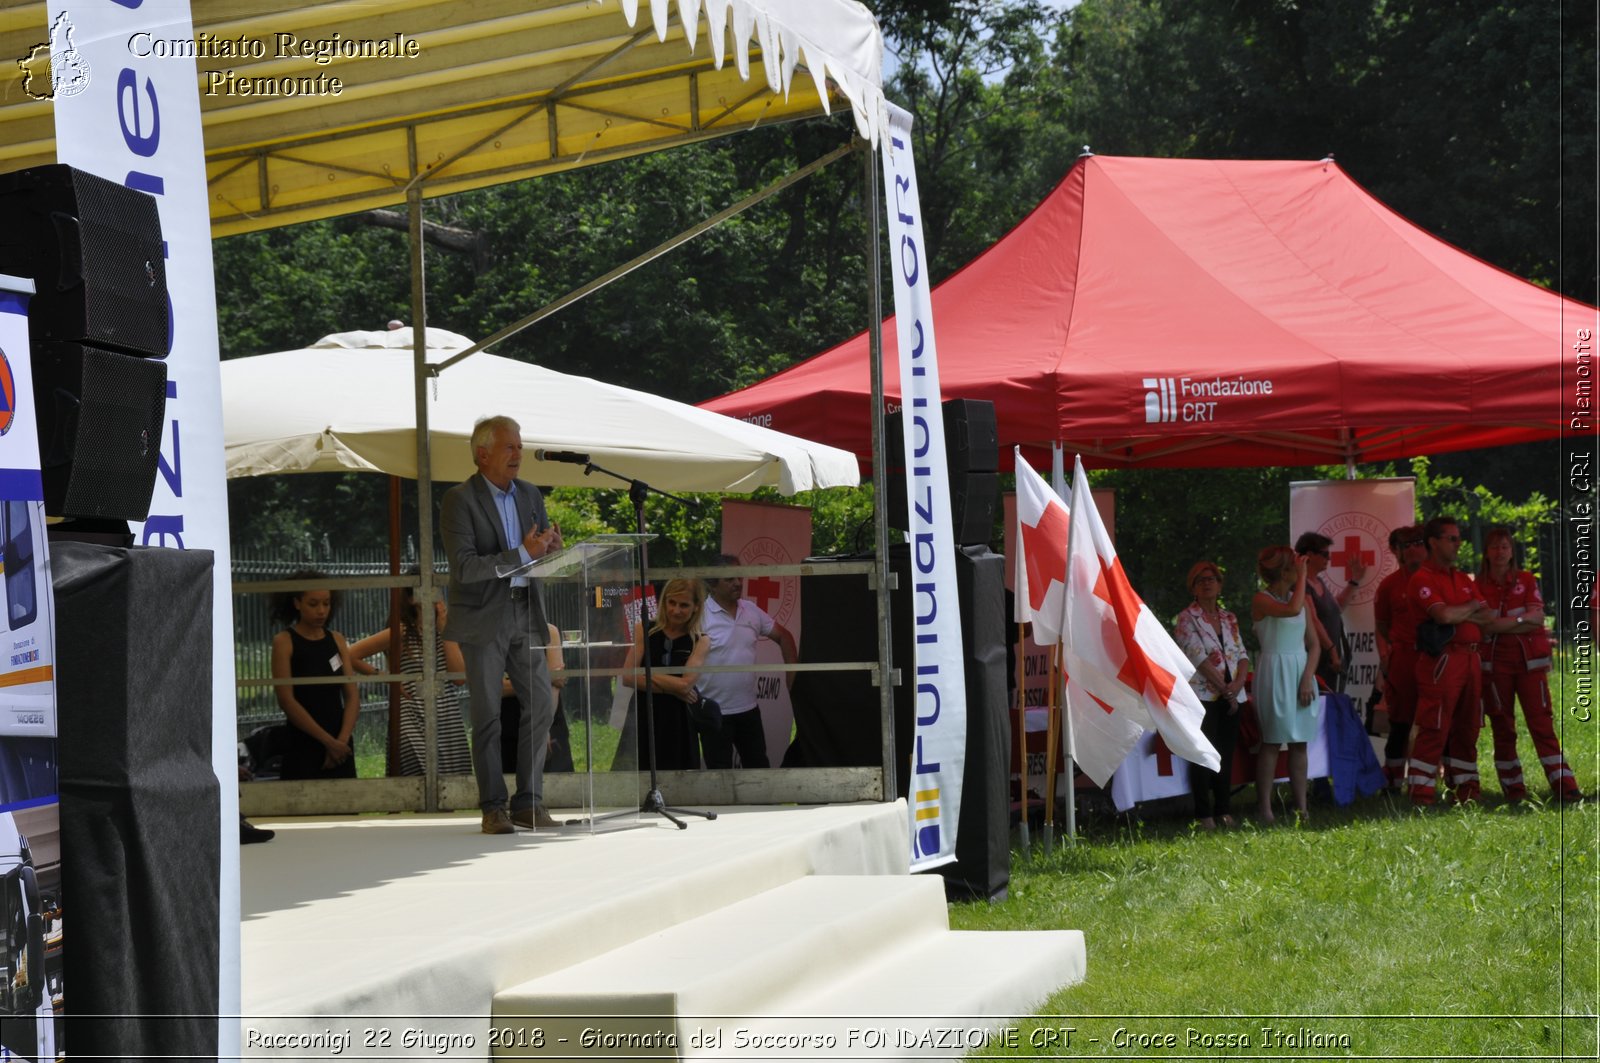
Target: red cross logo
(763,589)
(1044,552)
(1352,550)
(1163,755)
(1138,669)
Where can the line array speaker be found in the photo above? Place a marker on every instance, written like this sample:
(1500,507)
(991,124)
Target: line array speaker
(972,455)
(93,249)
(100,417)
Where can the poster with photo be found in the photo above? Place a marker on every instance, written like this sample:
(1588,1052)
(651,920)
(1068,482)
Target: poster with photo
(31,991)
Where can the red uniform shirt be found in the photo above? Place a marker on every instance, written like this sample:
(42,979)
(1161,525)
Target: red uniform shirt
(1517,597)
(1431,585)
(1391,609)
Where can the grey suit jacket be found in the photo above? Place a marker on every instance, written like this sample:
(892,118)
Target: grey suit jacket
(474,540)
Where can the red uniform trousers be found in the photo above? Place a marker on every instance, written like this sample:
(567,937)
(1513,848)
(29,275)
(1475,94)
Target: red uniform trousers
(1449,716)
(1400,698)
(1532,689)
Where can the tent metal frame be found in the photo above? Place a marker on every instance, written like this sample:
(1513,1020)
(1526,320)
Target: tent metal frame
(422,372)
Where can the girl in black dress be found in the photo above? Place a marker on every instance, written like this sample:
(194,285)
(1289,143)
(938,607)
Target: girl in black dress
(322,717)
(674,641)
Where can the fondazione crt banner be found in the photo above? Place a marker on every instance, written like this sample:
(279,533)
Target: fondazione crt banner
(135,120)
(938,748)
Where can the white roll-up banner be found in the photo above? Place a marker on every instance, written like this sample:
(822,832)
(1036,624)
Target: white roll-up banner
(938,748)
(135,119)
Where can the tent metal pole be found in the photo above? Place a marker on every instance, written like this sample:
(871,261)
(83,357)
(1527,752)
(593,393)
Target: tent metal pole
(425,593)
(651,255)
(880,508)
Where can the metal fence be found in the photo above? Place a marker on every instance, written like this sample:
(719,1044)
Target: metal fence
(361,613)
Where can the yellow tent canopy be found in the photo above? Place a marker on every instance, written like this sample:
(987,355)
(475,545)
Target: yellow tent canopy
(318,109)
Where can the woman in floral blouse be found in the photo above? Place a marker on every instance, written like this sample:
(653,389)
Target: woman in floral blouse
(1209,635)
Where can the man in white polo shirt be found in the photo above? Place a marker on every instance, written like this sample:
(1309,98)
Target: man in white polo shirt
(736,626)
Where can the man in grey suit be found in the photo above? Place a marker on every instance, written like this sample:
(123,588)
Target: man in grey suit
(491,523)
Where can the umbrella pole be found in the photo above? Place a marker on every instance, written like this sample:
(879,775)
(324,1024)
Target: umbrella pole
(392,755)
(1022,742)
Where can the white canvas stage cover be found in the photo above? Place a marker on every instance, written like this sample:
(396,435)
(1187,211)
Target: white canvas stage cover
(415,936)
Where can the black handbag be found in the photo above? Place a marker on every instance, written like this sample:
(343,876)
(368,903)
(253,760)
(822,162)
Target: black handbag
(705,713)
(1434,638)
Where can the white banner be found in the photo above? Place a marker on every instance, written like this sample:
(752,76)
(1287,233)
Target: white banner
(939,743)
(135,119)
(1358,516)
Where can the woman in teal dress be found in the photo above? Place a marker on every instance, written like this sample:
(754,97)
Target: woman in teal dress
(1285,674)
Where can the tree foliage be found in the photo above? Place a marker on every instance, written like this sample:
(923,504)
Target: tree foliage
(1474,118)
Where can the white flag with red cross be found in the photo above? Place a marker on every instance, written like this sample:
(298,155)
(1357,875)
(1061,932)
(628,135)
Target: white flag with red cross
(1041,561)
(1128,675)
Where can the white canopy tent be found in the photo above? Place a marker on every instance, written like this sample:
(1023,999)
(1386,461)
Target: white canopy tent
(345,403)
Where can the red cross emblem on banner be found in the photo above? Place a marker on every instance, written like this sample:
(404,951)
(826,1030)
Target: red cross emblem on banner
(763,589)
(1352,550)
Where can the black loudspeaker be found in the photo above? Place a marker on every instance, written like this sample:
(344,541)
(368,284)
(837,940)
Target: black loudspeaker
(971,437)
(140,805)
(100,420)
(972,456)
(972,502)
(93,249)
(837,715)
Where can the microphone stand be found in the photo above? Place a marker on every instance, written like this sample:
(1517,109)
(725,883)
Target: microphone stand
(638,490)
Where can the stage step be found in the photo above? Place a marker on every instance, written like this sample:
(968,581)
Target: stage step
(868,961)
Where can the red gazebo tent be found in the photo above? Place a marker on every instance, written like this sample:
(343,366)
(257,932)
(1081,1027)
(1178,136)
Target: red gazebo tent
(1188,312)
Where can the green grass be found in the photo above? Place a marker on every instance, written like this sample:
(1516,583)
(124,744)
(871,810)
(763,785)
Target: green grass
(1461,932)
(371,738)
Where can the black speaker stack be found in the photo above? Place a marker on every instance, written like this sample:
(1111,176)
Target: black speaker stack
(972,454)
(139,800)
(99,325)
(837,717)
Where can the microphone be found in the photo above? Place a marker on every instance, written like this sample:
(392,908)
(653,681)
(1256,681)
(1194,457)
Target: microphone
(572,457)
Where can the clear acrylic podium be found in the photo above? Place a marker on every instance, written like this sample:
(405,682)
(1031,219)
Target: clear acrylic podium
(590,593)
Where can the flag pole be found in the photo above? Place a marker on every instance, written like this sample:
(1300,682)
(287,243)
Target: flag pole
(1058,475)
(1051,744)
(1022,742)
(1066,760)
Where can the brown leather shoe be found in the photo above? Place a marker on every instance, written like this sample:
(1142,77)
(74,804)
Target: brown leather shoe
(495,821)
(535,818)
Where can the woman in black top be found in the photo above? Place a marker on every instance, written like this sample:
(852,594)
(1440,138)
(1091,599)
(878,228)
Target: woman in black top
(674,641)
(322,717)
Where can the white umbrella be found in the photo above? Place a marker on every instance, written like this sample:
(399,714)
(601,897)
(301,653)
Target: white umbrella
(346,403)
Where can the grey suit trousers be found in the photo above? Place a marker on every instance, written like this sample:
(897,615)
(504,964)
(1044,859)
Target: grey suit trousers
(515,653)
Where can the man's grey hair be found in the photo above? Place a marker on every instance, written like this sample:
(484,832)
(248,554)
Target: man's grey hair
(483,432)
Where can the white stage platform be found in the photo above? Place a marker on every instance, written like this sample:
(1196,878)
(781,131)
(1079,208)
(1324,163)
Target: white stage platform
(415,936)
